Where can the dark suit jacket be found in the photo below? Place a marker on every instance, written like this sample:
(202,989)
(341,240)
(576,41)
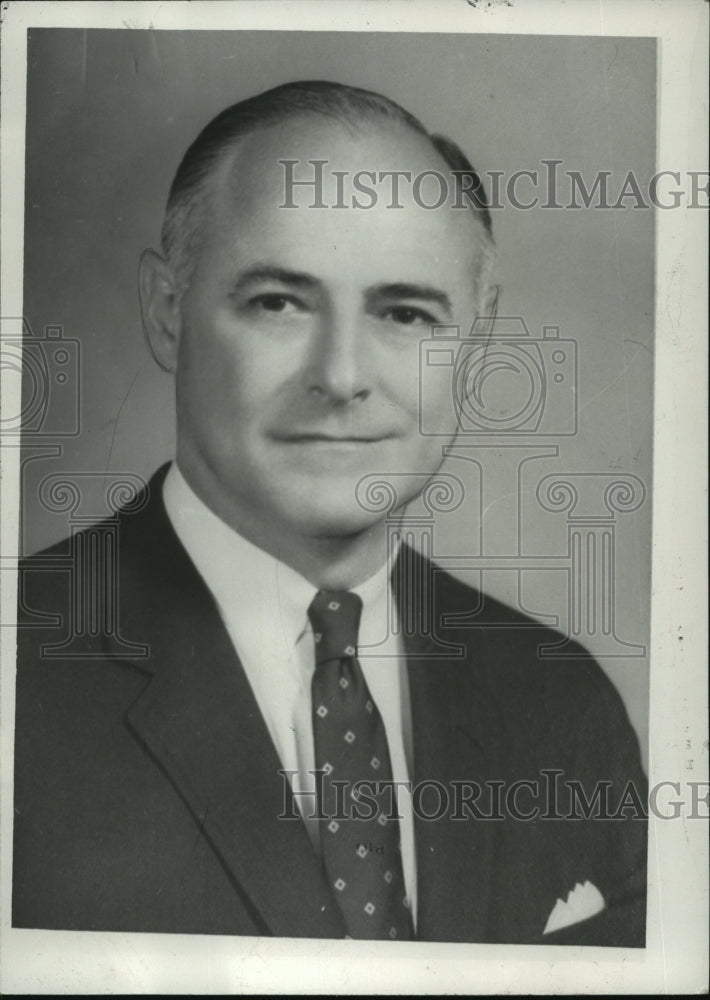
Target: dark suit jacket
(147,793)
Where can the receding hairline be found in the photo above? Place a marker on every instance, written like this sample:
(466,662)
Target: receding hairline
(351,109)
(224,174)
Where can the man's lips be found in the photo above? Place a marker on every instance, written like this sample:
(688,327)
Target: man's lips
(315,437)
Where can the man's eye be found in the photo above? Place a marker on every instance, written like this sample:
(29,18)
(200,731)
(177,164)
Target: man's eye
(273,303)
(409,316)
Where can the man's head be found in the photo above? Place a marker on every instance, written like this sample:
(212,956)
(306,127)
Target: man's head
(294,332)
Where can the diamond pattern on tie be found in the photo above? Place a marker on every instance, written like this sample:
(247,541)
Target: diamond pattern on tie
(361,850)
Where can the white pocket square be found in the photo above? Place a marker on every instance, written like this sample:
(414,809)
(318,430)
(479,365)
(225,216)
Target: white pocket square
(582,902)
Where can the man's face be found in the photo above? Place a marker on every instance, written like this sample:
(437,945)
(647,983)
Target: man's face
(298,364)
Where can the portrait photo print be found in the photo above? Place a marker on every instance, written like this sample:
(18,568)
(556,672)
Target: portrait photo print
(336,433)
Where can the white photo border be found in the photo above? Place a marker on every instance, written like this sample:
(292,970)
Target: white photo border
(675,959)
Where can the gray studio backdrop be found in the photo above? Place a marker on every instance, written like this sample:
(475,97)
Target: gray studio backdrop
(109,115)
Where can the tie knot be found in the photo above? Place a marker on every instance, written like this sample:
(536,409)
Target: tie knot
(335,619)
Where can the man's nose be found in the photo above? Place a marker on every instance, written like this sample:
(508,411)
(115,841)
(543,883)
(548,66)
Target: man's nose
(337,367)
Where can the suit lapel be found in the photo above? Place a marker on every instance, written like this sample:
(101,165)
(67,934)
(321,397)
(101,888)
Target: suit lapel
(201,723)
(452,740)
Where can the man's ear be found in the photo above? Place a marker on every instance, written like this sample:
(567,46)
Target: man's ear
(160,309)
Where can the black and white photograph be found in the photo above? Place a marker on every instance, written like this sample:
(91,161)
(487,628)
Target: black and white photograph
(352,445)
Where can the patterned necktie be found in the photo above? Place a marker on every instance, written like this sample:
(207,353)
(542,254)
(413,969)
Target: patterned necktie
(360,834)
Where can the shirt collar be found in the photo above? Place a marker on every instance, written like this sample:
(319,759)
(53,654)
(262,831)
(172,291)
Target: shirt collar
(241,575)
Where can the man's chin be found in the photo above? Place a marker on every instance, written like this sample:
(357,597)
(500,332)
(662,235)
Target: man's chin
(347,506)
(334,521)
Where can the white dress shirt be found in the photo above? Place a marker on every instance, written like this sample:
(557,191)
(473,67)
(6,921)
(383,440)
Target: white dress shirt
(264,606)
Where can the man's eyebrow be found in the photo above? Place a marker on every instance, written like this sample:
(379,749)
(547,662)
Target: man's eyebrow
(403,290)
(295,279)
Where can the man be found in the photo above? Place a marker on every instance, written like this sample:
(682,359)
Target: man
(238,778)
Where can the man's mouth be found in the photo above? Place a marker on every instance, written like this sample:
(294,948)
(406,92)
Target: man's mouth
(317,437)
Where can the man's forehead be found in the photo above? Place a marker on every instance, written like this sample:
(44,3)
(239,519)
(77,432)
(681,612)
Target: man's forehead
(260,210)
(314,159)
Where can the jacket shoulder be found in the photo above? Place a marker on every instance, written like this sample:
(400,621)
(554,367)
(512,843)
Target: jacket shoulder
(521,658)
